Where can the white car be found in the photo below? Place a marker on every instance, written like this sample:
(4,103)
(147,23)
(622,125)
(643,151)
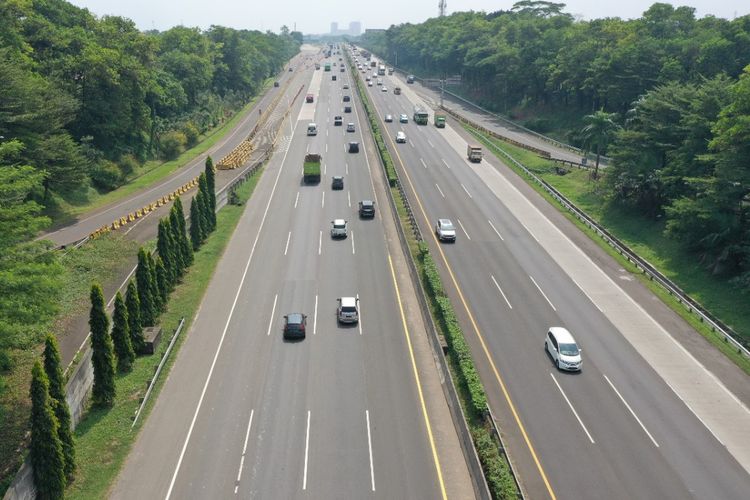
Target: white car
(400,137)
(369,84)
(338,228)
(445,230)
(384,89)
(388,118)
(348,310)
(563,349)
(403,118)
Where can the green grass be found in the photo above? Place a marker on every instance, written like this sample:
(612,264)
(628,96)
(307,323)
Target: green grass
(154,171)
(104,437)
(647,239)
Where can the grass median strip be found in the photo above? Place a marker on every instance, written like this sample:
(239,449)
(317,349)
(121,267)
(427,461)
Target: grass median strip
(646,239)
(104,437)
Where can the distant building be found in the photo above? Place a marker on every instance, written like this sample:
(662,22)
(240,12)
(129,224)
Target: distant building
(355,28)
(334,28)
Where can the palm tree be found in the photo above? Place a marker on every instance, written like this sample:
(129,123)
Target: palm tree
(599,130)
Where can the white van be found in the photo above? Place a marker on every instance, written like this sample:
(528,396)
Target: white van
(312,129)
(561,345)
(348,310)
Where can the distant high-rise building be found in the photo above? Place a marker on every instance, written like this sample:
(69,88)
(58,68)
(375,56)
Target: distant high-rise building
(334,28)
(355,28)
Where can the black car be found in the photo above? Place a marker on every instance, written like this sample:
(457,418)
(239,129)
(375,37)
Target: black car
(347,98)
(275,84)
(337,121)
(337,182)
(347,109)
(294,326)
(354,147)
(367,208)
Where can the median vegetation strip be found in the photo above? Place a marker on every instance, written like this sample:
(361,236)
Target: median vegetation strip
(463,371)
(647,240)
(104,436)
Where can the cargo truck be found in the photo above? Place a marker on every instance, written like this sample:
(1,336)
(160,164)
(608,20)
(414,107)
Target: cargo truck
(381,69)
(474,153)
(327,67)
(439,120)
(397,91)
(311,168)
(421,117)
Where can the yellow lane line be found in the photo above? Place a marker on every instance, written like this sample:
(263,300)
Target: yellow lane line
(476,329)
(419,384)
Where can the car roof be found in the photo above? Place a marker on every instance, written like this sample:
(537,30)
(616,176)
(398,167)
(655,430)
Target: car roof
(295,318)
(445,221)
(348,301)
(367,202)
(562,335)
(339,222)
(338,176)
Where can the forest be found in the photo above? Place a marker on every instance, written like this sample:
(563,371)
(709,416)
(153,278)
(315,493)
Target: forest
(666,96)
(84,102)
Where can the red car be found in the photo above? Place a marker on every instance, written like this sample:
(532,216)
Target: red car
(309,98)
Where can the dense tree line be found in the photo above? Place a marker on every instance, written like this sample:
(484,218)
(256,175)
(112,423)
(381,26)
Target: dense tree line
(665,95)
(90,98)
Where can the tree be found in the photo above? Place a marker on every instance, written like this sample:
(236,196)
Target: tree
(196,224)
(599,130)
(169,253)
(162,282)
(177,221)
(208,210)
(102,358)
(54,373)
(211,190)
(121,336)
(145,289)
(135,328)
(156,290)
(45,450)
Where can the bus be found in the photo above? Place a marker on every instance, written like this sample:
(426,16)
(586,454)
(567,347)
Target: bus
(420,116)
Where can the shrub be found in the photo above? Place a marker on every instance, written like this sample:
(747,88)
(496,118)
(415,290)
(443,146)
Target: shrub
(128,164)
(172,144)
(191,132)
(106,176)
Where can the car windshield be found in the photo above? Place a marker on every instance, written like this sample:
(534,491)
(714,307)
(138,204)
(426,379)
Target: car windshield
(339,225)
(348,309)
(447,226)
(294,319)
(569,349)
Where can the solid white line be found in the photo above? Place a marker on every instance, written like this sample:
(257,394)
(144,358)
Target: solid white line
(349,198)
(423,163)
(326,132)
(411,143)
(347,168)
(446,163)
(496,231)
(244,450)
(315,316)
(631,411)
(289,237)
(296,199)
(696,415)
(463,228)
(224,333)
(352,238)
(543,294)
(431,144)
(307,149)
(326,147)
(307,448)
(587,295)
(359,323)
(320,242)
(501,292)
(467,191)
(529,231)
(323,200)
(441,191)
(325,166)
(572,409)
(273,313)
(369,446)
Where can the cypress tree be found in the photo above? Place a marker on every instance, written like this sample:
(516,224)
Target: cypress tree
(53,370)
(165,245)
(202,210)
(46,450)
(135,328)
(177,220)
(211,188)
(155,290)
(208,211)
(103,356)
(196,237)
(162,282)
(143,279)
(121,336)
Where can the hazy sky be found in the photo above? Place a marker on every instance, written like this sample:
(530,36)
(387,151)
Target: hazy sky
(315,16)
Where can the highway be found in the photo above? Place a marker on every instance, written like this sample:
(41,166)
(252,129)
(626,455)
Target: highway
(343,413)
(644,419)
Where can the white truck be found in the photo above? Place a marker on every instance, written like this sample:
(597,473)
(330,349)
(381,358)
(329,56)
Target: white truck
(474,153)
(381,69)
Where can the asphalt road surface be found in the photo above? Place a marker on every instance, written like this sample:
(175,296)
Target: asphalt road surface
(337,415)
(644,419)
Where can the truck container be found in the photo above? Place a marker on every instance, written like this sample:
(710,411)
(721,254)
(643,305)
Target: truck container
(327,67)
(373,64)
(311,168)
(381,69)
(439,120)
(474,153)
(421,117)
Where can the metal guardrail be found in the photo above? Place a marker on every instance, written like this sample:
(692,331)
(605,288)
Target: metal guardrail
(693,306)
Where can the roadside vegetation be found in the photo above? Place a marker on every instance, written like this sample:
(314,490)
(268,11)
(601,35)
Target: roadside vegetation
(665,96)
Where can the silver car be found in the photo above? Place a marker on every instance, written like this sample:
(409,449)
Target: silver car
(338,228)
(445,230)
